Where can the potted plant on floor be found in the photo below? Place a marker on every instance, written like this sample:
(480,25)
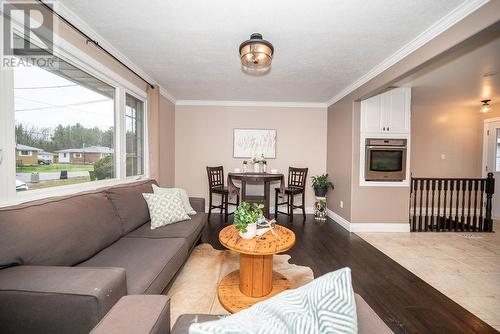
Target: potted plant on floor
(321,185)
(246,217)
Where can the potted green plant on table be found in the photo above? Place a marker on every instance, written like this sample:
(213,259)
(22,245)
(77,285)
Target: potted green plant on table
(246,217)
(321,185)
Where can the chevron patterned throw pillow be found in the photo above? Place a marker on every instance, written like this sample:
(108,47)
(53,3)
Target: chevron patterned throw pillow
(325,305)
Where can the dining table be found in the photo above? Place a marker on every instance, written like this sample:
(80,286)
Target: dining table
(255,178)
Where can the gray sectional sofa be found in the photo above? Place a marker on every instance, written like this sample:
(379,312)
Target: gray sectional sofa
(368,321)
(66,261)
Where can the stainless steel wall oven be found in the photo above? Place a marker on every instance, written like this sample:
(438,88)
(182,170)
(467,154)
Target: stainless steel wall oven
(385,159)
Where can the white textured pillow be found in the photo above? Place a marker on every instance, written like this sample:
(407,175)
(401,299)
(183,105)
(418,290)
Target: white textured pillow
(165,209)
(326,305)
(184,196)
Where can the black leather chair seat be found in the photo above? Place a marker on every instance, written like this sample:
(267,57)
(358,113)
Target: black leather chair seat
(220,190)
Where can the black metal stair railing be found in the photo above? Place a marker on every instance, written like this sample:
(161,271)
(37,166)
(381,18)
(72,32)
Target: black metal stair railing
(451,204)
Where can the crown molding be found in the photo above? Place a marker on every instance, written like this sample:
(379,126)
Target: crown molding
(167,95)
(82,25)
(222,103)
(455,16)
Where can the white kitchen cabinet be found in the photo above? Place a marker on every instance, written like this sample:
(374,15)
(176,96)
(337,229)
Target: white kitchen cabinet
(371,114)
(387,113)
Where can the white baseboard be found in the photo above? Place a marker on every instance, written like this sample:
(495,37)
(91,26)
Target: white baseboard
(368,227)
(381,227)
(339,220)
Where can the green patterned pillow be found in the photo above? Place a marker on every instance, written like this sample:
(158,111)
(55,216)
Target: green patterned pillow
(326,305)
(165,209)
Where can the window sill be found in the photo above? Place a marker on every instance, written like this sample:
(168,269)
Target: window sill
(32,195)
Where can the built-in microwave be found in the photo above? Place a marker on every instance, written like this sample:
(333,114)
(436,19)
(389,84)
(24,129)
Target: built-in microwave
(385,159)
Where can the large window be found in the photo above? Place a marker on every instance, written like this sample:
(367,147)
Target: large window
(134,125)
(90,122)
(63,110)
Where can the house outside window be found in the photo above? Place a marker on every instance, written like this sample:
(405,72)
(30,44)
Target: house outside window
(71,106)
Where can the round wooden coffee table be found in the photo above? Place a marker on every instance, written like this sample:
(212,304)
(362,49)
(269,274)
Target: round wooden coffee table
(256,280)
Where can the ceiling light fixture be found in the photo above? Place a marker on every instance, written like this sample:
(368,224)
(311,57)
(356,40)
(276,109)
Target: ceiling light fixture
(256,53)
(486,106)
(490,74)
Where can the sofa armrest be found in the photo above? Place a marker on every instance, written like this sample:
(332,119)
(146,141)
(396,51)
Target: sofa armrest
(198,203)
(57,299)
(145,314)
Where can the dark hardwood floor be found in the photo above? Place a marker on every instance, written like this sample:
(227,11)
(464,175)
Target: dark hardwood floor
(406,303)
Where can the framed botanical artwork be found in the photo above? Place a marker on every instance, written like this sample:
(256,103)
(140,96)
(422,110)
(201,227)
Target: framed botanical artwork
(248,143)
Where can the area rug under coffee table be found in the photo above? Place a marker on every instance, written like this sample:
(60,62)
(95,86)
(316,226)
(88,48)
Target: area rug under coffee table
(195,288)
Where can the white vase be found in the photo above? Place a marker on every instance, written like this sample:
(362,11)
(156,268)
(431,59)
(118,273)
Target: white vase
(251,231)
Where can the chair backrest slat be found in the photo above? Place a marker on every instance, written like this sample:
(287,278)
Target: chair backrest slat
(215,176)
(297,177)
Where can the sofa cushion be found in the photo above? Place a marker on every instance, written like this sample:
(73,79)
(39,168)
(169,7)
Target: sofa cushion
(130,204)
(48,299)
(149,264)
(188,229)
(58,231)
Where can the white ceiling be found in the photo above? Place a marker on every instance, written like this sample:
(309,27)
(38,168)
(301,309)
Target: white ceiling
(190,47)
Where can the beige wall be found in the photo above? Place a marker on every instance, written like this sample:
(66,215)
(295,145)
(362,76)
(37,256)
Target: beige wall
(204,137)
(167,143)
(339,157)
(440,129)
(457,132)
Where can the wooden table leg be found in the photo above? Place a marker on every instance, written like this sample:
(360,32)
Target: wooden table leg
(256,275)
(243,190)
(266,199)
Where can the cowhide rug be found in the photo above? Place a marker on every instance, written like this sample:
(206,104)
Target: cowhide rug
(195,288)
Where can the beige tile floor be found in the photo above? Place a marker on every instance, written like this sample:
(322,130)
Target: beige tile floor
(463,266)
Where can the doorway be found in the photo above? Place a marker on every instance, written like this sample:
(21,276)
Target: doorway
(491,159)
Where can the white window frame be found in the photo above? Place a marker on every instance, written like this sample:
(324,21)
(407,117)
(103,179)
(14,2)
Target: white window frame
(75,56)
(30,153)
(77,155)
(145,134)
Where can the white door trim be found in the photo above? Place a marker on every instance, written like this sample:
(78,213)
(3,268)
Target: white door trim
(485,143)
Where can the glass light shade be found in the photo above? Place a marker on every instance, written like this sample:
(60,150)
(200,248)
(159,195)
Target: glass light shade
(485,108)
(256,52)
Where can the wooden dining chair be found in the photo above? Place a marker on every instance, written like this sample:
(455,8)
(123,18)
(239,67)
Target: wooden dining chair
(216,186)
(296,186)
